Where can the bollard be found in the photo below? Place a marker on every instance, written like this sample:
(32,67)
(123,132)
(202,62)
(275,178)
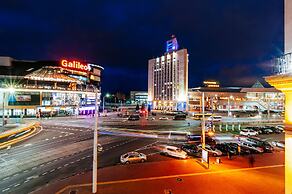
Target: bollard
(220,127)
(218,160)
(232,127)
(226,127)
(214,128)
(239,127)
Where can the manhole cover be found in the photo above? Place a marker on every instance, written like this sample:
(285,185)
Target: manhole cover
(73,192)
(178,179)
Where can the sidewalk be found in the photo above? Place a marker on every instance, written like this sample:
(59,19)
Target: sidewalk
(182,176)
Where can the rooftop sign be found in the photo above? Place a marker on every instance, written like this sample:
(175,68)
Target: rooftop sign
(75,65)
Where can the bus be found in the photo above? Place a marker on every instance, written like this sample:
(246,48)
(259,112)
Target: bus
(199,116)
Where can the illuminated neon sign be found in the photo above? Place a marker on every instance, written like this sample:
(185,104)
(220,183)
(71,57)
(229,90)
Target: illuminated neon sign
(74,65)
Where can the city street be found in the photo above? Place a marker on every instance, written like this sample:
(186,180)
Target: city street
(64,148)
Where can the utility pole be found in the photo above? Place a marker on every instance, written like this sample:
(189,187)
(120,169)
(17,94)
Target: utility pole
(95,139)
(203,120)
(3,109)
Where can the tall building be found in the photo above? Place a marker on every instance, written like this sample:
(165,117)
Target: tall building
(168,78)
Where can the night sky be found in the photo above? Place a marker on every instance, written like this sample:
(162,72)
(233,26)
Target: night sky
(231,41)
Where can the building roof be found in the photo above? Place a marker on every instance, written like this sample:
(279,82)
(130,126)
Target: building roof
(50,73)
(222,89)
(259,90)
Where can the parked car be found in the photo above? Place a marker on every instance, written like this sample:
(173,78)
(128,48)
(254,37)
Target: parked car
(252,147)
(280,144)
(190,149)
(267,130)
(226,148)
(134,117)
(163,118)
(133,157)
(248,132)
(174,151)
(150,118)
(211,150)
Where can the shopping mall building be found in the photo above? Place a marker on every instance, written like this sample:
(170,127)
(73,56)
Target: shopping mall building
(64,87)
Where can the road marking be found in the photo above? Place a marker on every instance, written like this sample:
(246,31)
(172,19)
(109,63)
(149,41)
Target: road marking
(78,160)
(25,171)
(72,162)
(33,168)
(26,181)
(54,137)
(59,167)
(52,170)
(49,163)
(45,173)
(6,189)
(16,185)
(66,164)
(32,177)
(41,165)
(15,174)
(60,135)
(55,160)
(47,139)
(82,158)
(6,178)
(27,145)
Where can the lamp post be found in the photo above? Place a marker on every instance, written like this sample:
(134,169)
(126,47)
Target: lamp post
(103,99)
(3,108)
(11,91)
(203,120)
(95,140)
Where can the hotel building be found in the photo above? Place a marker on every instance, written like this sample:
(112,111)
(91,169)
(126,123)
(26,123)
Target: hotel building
(168,79)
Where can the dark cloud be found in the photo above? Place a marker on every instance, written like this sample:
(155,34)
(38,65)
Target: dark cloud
(224,38)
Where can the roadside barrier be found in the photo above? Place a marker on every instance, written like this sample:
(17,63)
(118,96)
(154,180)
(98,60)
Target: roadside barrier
(31,129)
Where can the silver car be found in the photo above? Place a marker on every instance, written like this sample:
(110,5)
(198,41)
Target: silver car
(133,157)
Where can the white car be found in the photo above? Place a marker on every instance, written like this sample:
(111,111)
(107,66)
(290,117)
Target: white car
(174,151)
(163,118)
(252,147)
(133,157)
(213,151)
(248,132)
(280,144)
(150,118)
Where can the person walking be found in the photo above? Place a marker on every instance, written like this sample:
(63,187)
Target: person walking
(251,161)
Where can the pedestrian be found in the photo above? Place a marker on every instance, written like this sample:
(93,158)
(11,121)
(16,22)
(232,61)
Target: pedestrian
(251,160)
(239,149)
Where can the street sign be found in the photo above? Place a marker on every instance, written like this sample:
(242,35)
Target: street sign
(205,156)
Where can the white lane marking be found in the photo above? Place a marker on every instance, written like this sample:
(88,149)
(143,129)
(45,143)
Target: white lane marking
(29,144)
(55,160)
(59,167)
(16,185)
(26,181)
(82,158)
(32,177)
(41,165)
(6,178)
(15,174)
(34,168)
(78,160)
(54,137)
(66,164)
(47,139)
(52,170)
(25,171)
(60,135)
(72,162)
(6,189)
(45,173)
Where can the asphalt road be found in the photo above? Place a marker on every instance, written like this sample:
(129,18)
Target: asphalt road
(64,148)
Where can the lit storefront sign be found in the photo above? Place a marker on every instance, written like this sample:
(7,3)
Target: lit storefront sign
(75,65)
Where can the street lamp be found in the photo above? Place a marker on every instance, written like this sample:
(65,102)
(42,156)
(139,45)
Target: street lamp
(203,120)
(103,99)
(11,91)
(95,140)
